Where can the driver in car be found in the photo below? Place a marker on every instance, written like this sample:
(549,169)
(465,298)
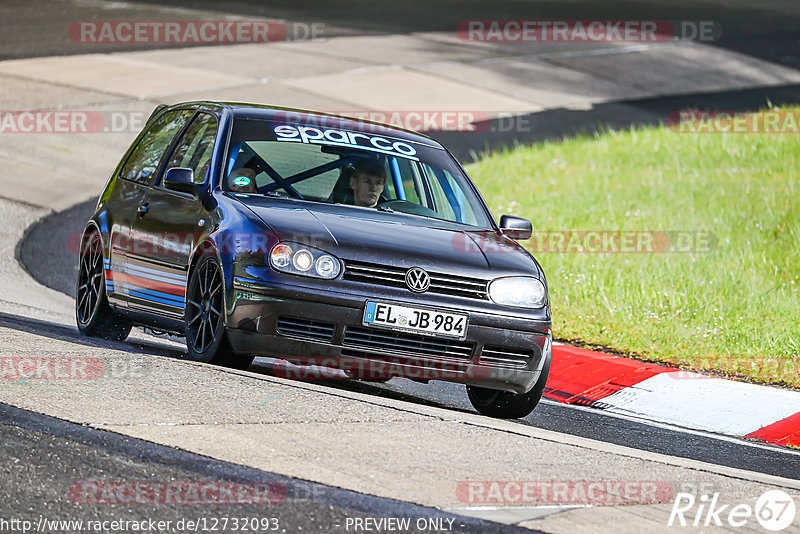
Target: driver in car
(367,182)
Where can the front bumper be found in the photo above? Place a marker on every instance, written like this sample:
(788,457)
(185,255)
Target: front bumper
(324,328)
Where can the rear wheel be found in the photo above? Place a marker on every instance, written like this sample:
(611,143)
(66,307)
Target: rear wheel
(505,405)
(94,315)
(206,339)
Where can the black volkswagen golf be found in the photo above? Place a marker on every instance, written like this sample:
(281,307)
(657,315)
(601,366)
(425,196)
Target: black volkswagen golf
(316,239)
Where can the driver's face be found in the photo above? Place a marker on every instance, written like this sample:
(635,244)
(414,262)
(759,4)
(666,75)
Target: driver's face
(367,189)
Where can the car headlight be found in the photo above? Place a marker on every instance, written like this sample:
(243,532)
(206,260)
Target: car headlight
(295,258)
(518,291)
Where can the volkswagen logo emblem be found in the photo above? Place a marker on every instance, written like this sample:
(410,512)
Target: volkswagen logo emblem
(417,280)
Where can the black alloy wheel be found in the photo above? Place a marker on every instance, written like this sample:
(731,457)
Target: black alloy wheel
(94,315)
(206,339)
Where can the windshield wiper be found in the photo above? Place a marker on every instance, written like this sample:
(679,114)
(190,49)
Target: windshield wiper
(387,209)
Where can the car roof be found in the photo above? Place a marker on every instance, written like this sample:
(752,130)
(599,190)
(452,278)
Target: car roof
(244,110)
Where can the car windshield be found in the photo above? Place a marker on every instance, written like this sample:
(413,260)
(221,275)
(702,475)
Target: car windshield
(368,168)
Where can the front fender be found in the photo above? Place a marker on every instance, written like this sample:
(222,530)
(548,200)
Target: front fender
(239,236)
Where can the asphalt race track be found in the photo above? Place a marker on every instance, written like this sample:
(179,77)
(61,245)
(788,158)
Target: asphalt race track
(50,447)
(330,445)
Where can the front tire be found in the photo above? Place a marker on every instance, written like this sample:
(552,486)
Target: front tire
(93,314)
(505,405)
(206,338)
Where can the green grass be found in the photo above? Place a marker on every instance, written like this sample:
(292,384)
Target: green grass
(735,309)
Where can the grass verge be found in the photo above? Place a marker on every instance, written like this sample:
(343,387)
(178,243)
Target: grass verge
(719,286)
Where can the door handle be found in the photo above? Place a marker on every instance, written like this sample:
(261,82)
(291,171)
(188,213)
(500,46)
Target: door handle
(143,209)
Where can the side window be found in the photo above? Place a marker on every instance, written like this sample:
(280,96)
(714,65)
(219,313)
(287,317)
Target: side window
(448,198)
(143,161)
(196,147)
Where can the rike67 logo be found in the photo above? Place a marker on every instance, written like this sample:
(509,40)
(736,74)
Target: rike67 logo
(774,510)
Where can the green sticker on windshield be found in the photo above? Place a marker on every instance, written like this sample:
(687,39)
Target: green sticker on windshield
(241,181)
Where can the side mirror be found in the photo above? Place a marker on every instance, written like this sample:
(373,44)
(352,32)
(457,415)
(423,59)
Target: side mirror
(182,180)
(516,227)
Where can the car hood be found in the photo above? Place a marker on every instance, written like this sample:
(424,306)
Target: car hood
(394,238)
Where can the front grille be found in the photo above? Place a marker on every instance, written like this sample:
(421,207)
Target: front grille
(302,328)
(439,370)
(387,275)
(407,343)
(506,357)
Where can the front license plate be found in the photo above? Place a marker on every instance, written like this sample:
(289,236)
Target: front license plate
(418,320)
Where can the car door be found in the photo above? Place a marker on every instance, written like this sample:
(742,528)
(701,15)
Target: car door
(170,223)
(134,181)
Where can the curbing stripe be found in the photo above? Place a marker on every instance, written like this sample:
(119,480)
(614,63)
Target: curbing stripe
(784,432)
(581,376)
(705,403)
(659,393)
